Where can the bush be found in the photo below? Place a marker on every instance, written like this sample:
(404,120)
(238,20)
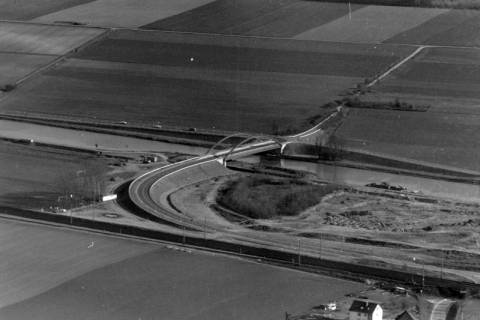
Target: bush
(8,87)
(265,197)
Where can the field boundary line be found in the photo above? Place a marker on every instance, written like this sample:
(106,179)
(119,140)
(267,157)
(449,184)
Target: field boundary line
(61,57)
(64,25)
(29,53)
(397,65)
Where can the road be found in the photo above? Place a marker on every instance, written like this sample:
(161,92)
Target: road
(150,193)
(140,189)
(440,310)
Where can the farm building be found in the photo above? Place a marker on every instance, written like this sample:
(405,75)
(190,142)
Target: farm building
(405,315)
(365,310)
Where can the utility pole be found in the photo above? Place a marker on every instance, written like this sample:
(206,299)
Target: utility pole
(443,262)
(205,229)
(320,254)
(71,208)
(183,235)
(299,253)
(423,275)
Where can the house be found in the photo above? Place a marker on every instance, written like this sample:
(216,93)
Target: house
(405,315)
(365,310)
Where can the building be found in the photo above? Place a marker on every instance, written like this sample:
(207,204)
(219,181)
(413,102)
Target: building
(405,315)
(365,310)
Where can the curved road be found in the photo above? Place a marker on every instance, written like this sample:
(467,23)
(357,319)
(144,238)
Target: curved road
(440,309)
(142,193)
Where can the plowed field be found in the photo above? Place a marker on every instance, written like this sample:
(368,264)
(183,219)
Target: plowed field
(201,81)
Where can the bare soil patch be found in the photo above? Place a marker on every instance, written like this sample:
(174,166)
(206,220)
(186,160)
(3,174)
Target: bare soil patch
(446,79)
(152,283)
(43,39)
(448,138)
(29,9)
(363,211)
(371,24)
(219,56)
(455,27)
(121,13)
(38,258)
(33,177)
(258,18)
(16,66)
(198,81)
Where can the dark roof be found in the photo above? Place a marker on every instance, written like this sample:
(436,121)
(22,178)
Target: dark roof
(363,306)
(405,315)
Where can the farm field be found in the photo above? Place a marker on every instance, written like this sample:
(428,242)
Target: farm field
(26,47)
(38,258)
(448,80)
(452,28)
(330,21)
(125,279)
(43,39)
(33,177)
(371,24)
(444,137)
(15,66)
(438,72)
(228,85)
(28,9)
(121,13)
(255,17)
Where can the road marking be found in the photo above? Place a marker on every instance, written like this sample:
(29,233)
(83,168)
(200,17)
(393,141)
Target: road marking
(441,316)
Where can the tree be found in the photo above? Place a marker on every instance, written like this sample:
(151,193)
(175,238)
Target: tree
(336,147)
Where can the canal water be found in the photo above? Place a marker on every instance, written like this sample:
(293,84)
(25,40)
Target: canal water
(361,177)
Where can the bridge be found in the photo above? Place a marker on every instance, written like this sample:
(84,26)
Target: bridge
(278,143)
(444,309)
(150,192)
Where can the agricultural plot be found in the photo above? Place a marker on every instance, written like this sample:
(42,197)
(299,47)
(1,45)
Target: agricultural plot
(36,258)
(442,137)
(121,13)
(26,47)
(43,39)
(448,80)
(255,17)
(28,9)
(440,29)
(178,285)
(371,24)
(15,66)
(33,177)
(201,81)
(447,72)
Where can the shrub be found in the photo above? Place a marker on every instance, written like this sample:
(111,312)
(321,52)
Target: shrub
(8,87)
(266,197)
